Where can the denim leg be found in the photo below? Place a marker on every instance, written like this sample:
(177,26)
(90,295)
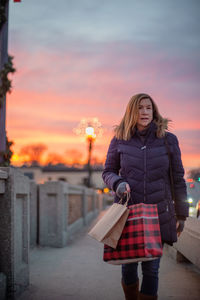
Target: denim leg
(150,271)
(129,273)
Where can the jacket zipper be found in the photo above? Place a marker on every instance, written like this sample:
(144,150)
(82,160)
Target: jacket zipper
(145,170)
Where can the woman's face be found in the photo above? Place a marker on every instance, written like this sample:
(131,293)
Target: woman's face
(145,115)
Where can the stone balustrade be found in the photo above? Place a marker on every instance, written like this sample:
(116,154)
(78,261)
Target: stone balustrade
(30,214)
(64,209)
(188,244)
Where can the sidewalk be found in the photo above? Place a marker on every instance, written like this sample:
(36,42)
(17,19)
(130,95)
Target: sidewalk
(77,272)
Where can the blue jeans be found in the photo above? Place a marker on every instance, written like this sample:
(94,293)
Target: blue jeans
(150,271)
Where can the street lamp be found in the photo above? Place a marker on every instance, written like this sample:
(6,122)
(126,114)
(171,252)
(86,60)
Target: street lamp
(89,128)
(90,136)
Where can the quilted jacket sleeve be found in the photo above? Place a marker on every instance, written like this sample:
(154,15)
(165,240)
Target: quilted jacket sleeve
(180,191)
(110,174)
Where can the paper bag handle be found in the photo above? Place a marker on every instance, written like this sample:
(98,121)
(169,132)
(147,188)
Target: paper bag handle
(127,199)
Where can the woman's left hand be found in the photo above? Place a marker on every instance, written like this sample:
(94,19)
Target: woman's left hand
(179,226)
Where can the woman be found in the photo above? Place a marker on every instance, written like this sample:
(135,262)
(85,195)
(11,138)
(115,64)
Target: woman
(138,162)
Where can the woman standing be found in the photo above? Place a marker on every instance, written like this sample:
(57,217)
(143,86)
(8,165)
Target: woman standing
(138,162)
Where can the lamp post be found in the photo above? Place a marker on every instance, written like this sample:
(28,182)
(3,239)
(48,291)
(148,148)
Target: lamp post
(89,128)
(90,136)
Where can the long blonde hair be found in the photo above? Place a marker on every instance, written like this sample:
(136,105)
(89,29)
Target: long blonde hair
(126,128)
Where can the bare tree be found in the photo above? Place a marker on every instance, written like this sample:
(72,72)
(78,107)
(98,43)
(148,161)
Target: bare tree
(96,161)
(55,158)
(73,157)
(32,153)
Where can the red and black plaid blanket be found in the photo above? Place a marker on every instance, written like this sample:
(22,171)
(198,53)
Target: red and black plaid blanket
(140,237)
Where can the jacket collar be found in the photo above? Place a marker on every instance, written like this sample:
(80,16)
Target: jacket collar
(148,133)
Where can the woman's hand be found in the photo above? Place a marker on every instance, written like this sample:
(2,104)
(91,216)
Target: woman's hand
(122,189)
(179,226)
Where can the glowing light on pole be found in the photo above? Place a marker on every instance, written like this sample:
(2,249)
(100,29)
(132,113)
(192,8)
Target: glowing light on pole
(90,129)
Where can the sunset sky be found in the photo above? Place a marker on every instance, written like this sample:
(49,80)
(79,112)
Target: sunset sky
(85,58)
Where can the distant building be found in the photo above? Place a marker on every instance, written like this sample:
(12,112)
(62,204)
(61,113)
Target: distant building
(71,175)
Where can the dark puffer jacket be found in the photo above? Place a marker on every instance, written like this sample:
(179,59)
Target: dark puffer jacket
(146,168)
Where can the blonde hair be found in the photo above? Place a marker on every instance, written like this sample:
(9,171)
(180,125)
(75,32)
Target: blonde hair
(126,128)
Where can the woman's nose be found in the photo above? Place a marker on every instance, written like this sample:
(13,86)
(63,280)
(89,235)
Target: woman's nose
(144,111)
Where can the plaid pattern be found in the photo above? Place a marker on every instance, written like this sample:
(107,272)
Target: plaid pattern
(140,237)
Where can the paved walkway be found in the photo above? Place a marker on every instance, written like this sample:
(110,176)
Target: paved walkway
(77,272)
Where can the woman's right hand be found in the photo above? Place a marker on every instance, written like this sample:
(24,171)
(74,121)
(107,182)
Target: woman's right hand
(179,226)
(122,189)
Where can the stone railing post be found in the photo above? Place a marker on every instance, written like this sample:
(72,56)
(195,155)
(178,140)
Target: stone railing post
(3,177)
(90,209)
(85,206)
(94,195)
(53,213)
(105,197)
(77,208)
(14,230)
(33,213)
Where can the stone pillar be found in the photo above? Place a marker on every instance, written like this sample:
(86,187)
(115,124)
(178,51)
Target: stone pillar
(14,230)
(2,286)
(3,177)
(104,201)
(33,214)
(85,206)
(75,207)
(53,213)
(93,200)
(90,205)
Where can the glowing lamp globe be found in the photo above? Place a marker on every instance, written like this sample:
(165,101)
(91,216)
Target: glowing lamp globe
(90,132)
